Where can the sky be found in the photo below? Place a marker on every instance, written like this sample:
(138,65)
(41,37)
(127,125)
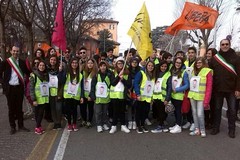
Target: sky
(161,12)
(125,11)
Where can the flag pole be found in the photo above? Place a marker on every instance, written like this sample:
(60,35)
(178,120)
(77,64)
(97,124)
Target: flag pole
(125,62)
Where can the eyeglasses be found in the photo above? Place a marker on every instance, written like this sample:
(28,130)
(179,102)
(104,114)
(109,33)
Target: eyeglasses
(224,44)
(119,63)
(35,62)
(82,52)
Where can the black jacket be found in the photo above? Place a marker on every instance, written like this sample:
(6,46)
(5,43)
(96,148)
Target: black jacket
(224,80)
(6,71)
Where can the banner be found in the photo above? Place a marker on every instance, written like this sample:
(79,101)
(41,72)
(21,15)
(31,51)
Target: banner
(58,36)
(140,32)
(194,16)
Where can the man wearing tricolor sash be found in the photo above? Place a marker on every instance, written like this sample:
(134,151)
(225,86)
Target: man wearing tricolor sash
(226,84)
(12,72)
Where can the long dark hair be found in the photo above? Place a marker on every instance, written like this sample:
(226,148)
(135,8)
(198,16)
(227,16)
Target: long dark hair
(174,70)
(92,72)
(150,75)
(70,70)
(158,70)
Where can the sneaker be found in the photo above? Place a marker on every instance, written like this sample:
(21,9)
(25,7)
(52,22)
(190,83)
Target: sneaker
(99,129)
(124,129)
(130,125)
(145,130)
(177,129)
(187,125)
(231,134)
(165,130)
(42,130)
(74,128)
(83,124)
(59,127)
(88,125)
(171,128)
(38,131)
(203,134)
(105,127)
(139,130)
(192,128)
(195,133)
(55,127)
(147,122)
(113,129)
(134,125)
(157,130)
(70,127)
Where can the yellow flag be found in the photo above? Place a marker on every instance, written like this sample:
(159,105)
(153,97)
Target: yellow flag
(140,32)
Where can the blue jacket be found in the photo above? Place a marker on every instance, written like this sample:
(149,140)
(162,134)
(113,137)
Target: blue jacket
(185,84)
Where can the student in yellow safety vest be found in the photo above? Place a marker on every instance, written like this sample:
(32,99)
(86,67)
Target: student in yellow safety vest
(90,70)
(143,87)
(56,73)
(100,93)
(200,94)
(39,92)
(161,95)
(120,84)
(73,93)
(180,83)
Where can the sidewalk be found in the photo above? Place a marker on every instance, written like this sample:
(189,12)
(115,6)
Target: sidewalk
(19,145)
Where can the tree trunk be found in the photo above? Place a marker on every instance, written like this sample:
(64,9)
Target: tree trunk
(3,40)
(30,42)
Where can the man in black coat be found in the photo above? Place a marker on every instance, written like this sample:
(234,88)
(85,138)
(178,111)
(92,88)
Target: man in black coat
(226,84)
(12,71)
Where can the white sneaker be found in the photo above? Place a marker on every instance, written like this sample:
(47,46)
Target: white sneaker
(99,129)
(203,134)
(171,128)
(177,129)
(124,129)
(113,129)
(105,127)
(134,125)
(192,128)
(130,125)
(187,125)
(147,122)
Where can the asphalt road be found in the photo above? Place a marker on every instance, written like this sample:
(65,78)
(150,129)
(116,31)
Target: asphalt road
(87,144)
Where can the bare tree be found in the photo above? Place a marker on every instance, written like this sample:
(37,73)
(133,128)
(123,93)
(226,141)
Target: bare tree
(4,5)
(23,11)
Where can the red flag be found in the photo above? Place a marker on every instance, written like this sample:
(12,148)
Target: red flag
(58,36)
(194,16)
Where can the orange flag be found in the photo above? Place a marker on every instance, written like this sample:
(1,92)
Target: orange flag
(194,16)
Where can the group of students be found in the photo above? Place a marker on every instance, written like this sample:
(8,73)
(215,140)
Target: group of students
(107,86)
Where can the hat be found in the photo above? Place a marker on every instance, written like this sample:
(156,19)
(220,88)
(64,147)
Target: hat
(120,59)
(134,59)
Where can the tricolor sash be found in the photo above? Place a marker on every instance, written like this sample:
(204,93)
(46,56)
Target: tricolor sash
(225,64)
(16,68)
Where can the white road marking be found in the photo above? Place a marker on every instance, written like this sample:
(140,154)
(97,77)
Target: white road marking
(62,145)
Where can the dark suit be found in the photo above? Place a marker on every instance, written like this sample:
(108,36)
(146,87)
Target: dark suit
(14,94)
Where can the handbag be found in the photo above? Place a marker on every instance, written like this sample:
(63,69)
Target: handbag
(186,103)
(169,107)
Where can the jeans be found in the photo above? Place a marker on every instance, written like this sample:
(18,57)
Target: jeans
(119,108)
(131,110)
(71,108)
(198,114)
(87,110)
(101,114)
(178,110)
(161,114)
(231,113)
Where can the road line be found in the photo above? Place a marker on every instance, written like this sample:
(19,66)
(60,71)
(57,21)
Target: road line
(62,145)
(44,145)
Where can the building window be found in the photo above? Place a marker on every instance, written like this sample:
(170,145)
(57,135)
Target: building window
(113,26)
(110,26)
